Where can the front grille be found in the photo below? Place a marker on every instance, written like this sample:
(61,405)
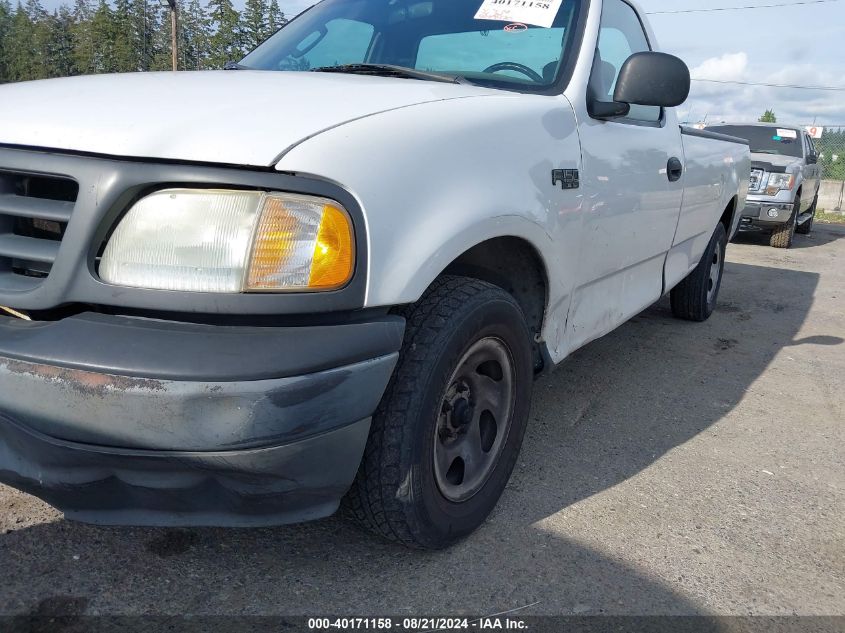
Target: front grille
(756,180)
(34,213)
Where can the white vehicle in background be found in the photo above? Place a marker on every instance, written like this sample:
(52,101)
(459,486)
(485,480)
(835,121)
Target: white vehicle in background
(338,280)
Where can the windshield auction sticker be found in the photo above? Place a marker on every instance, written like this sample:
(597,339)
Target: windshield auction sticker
(535,12)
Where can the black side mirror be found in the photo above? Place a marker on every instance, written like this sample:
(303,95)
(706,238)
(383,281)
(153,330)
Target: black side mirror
(653,79)
(812,158)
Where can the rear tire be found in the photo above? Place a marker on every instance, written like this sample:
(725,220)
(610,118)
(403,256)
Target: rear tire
(694,299)
(807,226)
(782,236)
(447,433)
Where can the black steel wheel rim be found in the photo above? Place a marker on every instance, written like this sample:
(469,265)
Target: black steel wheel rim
(474,419)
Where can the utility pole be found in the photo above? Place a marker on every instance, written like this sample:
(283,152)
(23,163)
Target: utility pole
(173,35)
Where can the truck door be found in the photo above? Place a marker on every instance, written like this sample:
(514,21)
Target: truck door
(812,171)
(633,187)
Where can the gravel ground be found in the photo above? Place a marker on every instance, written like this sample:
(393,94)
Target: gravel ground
(670,468)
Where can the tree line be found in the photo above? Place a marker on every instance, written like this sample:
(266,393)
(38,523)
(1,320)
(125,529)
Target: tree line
(95,36)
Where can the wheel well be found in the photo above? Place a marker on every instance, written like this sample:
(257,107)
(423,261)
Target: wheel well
(514,265)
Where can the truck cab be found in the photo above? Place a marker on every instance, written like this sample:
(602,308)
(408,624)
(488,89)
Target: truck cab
(331,274)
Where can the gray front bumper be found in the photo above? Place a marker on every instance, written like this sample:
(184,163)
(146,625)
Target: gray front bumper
(215,442)
(145,413)
(264,486)
(762,213)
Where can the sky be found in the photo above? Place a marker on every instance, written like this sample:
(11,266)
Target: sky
(797,45)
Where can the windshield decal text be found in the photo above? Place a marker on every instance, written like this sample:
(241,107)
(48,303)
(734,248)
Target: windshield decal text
(535,12)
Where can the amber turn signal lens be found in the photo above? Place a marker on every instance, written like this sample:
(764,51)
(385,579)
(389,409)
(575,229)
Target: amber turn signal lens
(301,243)
(334,252)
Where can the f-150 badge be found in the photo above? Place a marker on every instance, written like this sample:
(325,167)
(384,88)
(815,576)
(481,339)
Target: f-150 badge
(568,178)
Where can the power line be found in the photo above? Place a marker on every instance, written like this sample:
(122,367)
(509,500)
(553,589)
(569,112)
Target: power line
(791,86)
(755,6)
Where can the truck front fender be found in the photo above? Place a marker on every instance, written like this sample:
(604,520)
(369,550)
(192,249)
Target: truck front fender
(437,179)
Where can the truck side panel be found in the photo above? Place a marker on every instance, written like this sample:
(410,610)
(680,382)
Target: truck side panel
(631,205)
(715,172)
(631,210)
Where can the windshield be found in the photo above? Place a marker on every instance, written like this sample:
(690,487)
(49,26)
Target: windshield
(433,36)
(765,140)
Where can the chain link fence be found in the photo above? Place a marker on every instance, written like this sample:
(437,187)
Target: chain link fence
(831,149)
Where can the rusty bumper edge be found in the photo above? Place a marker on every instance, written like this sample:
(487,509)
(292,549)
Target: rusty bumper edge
(256,487)
(138,451)
(145,413)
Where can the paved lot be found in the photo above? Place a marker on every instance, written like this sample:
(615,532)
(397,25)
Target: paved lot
(669,468)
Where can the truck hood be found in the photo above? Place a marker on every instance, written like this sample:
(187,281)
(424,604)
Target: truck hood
(763,161)
(231,117)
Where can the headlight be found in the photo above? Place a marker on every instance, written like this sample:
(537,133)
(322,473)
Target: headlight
(779,182)
(231,241)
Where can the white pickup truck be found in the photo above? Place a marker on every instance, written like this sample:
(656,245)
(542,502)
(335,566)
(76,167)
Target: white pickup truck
(332,272)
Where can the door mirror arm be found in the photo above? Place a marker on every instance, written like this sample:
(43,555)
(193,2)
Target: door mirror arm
(607,110)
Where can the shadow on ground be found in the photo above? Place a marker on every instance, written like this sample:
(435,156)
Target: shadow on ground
(612,410)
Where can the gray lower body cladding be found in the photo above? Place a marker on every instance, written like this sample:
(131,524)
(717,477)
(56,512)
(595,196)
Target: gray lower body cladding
(131,448)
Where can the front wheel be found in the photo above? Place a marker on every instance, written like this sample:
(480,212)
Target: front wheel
(782,236)
(694,299)
(445,438)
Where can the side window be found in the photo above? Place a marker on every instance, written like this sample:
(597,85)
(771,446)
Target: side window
(811,148)
(342,41)
(620,36)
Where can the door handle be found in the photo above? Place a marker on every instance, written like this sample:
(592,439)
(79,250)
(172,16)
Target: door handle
(674,169)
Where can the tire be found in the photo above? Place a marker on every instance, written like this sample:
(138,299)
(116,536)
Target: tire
(403,490)
(782,236)
(694,299)
(804,229)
